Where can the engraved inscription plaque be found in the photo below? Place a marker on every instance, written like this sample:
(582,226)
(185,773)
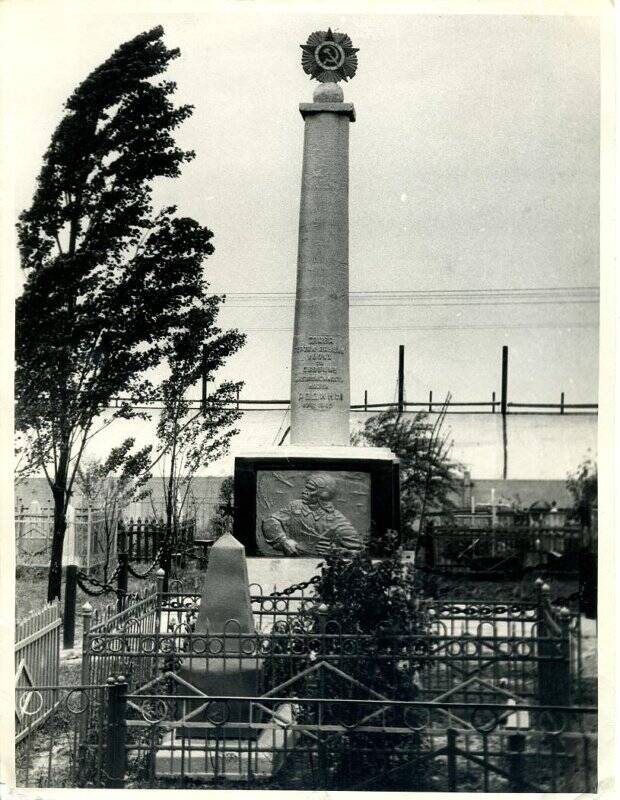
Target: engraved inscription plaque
(303,513)
(319,368)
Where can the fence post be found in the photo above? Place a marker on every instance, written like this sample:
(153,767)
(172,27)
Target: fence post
(160,575)
(166,556)
(116,733)
(516,763)
(123,569)
(540,634)
(68,621)
(549,680)
(451,747)
(87,615)
(563,671)
(89,533)
(138,538)
(323,766)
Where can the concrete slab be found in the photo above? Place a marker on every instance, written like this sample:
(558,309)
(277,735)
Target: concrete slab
(237,760)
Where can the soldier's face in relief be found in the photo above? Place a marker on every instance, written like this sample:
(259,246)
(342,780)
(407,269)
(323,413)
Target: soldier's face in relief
(310,493)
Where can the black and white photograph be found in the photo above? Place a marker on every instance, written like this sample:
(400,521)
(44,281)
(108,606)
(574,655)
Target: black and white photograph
(306,333)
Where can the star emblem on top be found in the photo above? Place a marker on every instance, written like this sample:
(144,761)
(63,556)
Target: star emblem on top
(329,57)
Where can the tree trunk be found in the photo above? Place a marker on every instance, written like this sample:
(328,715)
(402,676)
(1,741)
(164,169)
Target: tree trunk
(59,493)
(54,581)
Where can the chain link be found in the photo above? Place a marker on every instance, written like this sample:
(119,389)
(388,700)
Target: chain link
(299,587)
(137,574)
(296,587)
(104,588)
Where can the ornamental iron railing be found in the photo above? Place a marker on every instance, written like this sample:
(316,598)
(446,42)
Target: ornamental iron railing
(468,649)
(170,737)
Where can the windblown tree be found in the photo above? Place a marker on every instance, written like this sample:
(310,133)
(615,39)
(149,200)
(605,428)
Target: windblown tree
(109,280)
(187,439)
(429,480)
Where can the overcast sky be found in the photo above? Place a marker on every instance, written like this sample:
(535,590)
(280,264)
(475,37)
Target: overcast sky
(474,166)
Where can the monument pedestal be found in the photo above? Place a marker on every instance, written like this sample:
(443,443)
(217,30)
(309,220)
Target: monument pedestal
(208,757)
(359,500)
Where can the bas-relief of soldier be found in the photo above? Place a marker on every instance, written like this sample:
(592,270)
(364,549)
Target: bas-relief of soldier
(312,525)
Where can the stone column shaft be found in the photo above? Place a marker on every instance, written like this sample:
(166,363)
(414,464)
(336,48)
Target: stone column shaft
(320,393)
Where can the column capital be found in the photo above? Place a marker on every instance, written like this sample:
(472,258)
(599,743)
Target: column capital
(335,108)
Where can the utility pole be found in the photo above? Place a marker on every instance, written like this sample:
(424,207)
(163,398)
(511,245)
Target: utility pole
(504,380)
(504,407)
(401,378)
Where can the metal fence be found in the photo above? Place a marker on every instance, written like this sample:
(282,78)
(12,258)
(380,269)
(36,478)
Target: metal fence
(143,538)
(89,542)
(185,739)
(485,697)
(200,509)
(37,658)
(469,649)
(501,517)
(501,551)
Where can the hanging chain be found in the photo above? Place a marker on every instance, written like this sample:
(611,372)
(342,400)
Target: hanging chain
(104,588)
(296,587)
(145,573)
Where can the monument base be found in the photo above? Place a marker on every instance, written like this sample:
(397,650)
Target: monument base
(213,756)
(356,500)
(223,676)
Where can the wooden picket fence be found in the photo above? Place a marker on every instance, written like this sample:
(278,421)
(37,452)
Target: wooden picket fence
(34,532)
(37,659)
(144,537)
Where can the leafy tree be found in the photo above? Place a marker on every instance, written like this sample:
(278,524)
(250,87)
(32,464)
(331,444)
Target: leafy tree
(380,603)
(110,485)
(429,481)
(583,485)
(221,522)
(109,281)
(189,440)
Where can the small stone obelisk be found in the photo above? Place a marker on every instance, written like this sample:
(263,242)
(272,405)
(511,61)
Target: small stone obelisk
(320,392)
(226,616)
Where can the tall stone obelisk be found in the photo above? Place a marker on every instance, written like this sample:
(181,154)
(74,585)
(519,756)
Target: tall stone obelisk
(320,393)
(317,493)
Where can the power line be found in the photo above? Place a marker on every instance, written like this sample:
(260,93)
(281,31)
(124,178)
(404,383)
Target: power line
(549,289)
(461,304)
(464,326)
(432,297)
